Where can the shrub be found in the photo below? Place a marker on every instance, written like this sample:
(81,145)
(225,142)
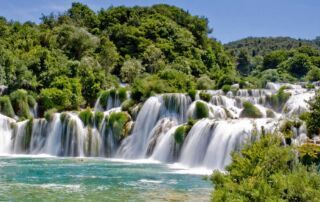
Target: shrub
(205,83)
(250,111)
(116,123)
(266,171)
(86,117)
(98,117)
(19,100)
(122,93)
(130,70)
(53,98)
(127,105)
(104,96)
(192,94)
(6,107)
(201,110)
(205,96)
(309,154)
(48,115)
(31,101)
(313,118)
(226,88)
(278,100)
(180,134)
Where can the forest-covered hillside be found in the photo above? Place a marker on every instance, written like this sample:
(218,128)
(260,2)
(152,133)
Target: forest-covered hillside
(65,61)
(80,52)
(278,59)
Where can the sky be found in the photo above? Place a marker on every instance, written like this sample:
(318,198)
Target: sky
(230,19)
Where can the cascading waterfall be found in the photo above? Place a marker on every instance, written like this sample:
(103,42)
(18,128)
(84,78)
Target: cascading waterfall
(206,143)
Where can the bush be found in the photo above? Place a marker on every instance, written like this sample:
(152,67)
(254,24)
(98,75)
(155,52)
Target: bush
(116,123)
(278,100)
(48,115)
(313,118)
(98,117)
(201,110)
(205,96)
(122,93)
(250,111)
(6,107)
(53,98)
(31,101)
(104,96)
(86,117)
(266,171)
(130,70)
(180,134)
(192,94)
(127,105)
(226,88)
(205,83)
(19,100)
(309,154)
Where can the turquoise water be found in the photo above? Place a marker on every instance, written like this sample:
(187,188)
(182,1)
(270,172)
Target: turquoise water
(91,179)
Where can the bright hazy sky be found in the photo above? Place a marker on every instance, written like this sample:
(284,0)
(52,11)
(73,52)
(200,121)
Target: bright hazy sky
(230,19)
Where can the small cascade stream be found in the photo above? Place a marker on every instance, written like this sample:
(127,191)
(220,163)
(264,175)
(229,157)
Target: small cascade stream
(208,142)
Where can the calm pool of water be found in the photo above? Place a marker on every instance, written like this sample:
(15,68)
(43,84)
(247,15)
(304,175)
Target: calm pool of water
(93,179)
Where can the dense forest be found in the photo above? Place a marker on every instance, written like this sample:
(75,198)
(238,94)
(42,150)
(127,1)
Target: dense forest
(79,53)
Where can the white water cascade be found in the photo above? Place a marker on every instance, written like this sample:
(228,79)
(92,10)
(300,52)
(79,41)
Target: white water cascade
(208,142)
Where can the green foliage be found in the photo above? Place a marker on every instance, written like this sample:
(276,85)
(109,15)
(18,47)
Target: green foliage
(19,101)
(205,83)
(260,46)
(205,96)
(298,65)
(226,88)
(87,117)
(122,93)
(127,105)
(309,154)
(117,122)
(130,70)
(250,111)
(243,61)
(48,115)
(167,81)
(98,118)
(201,110)
(313,118)
(63,94)
(278,100)
(266,171)
(72,56)
(31,101)
(6,107)
(180,134)
(192,94)
(313,74)
(53,98)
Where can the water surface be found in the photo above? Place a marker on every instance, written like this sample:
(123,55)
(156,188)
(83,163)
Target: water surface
(93,179)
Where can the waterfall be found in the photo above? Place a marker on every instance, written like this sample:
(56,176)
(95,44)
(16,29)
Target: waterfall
(174,106)
(206,143)
(5,134)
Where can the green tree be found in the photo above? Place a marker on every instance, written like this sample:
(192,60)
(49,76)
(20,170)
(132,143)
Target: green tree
(243,61)
(131,69)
